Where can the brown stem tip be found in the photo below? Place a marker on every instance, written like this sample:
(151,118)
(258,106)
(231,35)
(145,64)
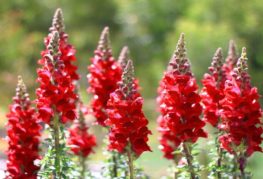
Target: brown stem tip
(53,45)
(124,57)
(58,21)
(104,42)
(128,78)
(179,61)
(21,87)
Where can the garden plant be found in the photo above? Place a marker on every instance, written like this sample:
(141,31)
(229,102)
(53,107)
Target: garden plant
(51,136)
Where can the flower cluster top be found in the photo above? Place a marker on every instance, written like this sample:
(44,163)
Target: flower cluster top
(213,89)
(179,104)
(128,125)
(241,112)
(23,136)
(56,93)
(104,74)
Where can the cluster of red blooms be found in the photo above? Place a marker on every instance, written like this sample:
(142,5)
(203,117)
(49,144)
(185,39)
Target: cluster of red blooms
(179,104)
(213,89)
(128,125)
(80,140)
(241,112)
(23,136)
(104,74)
(56,93)
(67,51)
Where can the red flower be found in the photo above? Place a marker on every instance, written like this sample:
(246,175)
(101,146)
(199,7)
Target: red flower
(23,137)
(128,125)
(104,73)
(241,112)
(179,104)
(56,93)
(67,51)
(213,90)
(82,143)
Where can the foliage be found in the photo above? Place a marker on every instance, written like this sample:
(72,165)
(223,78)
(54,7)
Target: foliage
(68,168)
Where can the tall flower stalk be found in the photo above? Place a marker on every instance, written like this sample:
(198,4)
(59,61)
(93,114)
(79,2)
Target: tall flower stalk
(56,97)
(56,106)
(212,94)
(241,116)
(104,74)
(23,131)
(179,104)
(128,125)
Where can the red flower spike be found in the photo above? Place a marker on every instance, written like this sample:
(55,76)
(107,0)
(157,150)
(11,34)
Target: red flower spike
(82,143)
(179,104)
(104,74)
(241,113)
(56,93)
(128,125)
(67,51)
(231,59)
(213,90)
(23,133)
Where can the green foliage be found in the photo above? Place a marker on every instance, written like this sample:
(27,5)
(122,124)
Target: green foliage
(116,167)
(227,167)
(68,169)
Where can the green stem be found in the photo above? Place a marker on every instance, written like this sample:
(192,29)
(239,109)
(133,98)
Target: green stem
(219,162)
(175,166)
(57,148)
(83,166)
(189,160)
(130,162)
(242,166)
(115,166)
(175,173)
(220,156)
(234,171)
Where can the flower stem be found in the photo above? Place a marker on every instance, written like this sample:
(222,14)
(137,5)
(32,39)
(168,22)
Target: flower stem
(219,155)
(83,166)
(175,166)
(219,161)
(115,165)
(189,159)
(175,173)
(130,162)
(242,165)
(57,148)
(234,171)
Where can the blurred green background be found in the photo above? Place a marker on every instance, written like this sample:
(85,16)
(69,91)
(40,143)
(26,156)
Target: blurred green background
(149,27)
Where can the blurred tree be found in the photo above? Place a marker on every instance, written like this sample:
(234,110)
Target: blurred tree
(24,24)
(149,27)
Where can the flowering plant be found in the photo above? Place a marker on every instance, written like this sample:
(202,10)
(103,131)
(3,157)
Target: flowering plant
(241,116)
(23,136)
(104,74)
(56,98)
(128,125)
(179,104)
